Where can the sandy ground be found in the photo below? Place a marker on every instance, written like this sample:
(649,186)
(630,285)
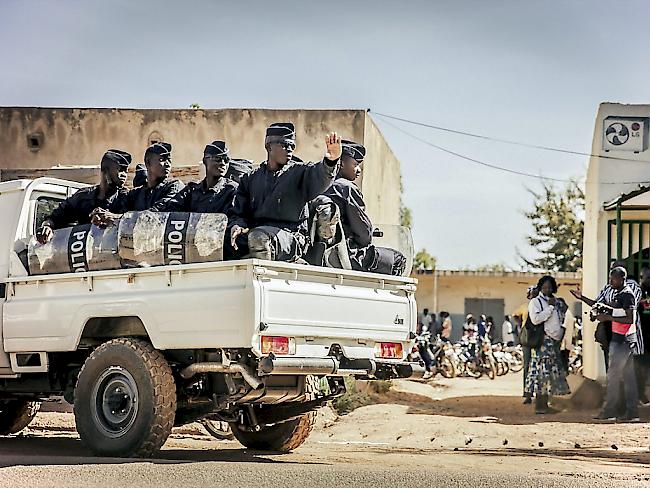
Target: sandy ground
(443,426)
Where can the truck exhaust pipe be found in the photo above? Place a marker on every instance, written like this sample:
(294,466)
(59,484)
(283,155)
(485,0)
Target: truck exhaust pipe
(211,367)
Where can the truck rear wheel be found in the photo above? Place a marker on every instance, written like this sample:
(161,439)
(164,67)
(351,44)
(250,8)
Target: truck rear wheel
(15,415)
(285,436)
(125,399)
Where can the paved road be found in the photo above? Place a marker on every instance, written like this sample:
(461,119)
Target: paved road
(59,461)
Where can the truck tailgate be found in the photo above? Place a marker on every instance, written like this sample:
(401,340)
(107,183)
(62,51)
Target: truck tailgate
(346,309)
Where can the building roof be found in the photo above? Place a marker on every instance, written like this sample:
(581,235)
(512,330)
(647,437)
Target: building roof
(510,274)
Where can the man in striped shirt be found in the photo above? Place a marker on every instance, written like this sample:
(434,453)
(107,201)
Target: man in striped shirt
(607,296)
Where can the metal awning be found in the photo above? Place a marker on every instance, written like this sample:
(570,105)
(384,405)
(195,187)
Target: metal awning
(635,200)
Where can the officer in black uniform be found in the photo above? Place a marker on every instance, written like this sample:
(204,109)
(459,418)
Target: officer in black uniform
(140,176)
(76,209)
(269,216)
(159,187)
(354,219)
(215,194)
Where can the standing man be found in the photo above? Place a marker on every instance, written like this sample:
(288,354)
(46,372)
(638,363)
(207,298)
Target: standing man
(77,208)
(269,216)
(606,296)
(620,375)
(214,194)
(364,256)
(531,293)
(642,361)
(507,334)
(446,326)
(159,187)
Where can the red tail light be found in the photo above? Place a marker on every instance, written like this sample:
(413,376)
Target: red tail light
(278,345)
(388,350)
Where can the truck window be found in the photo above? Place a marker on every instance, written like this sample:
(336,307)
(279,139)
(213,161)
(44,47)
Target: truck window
(44,207)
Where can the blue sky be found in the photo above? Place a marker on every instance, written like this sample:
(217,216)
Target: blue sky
(532,71)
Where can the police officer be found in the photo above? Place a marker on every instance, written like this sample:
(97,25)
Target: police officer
(269,216)
(159,187)
(364,256)
(215,194)
(77,208)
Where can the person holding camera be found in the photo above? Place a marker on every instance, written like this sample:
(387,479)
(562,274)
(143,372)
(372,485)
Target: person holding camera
(620,375)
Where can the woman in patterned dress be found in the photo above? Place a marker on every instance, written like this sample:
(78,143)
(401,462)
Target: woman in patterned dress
(546,376)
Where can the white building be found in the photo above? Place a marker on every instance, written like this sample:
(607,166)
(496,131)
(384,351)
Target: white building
(617,220)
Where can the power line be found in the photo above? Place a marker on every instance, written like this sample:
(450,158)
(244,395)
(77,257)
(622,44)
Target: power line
(497,167)
(505,141)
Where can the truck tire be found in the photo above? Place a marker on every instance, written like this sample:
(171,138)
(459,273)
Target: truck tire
(15,415)
(285,436)
(125,399)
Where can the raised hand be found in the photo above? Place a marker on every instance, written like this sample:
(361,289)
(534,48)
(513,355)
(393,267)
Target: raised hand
(333,145)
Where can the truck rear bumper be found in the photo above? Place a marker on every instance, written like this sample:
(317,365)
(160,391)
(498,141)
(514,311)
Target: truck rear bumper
(330,366)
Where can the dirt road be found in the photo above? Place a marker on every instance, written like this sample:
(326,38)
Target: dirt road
(467,432)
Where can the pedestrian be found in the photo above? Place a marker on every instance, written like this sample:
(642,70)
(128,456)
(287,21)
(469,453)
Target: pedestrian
(269,217)
(482,327)
(469,327)
(606,296)
(425,320)
(531,293)
(546,375)
(447,326)
(642,361)
(77,209)
(507,334)
(620,375)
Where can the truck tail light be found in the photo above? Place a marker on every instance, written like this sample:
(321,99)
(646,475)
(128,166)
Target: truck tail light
(278,345)
(388,350)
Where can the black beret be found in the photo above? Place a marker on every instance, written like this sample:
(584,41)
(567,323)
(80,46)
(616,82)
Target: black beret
(122,158)
(238,168)
(354,150)
(140,176)
(281,130)
(162,149)
(216,148)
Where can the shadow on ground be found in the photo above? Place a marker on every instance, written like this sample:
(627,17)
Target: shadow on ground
(507,410)
(52,451)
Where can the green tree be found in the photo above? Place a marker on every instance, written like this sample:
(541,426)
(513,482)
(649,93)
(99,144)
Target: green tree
(405,217)
(424,260)
(492,268)
(557,219)
(195,106)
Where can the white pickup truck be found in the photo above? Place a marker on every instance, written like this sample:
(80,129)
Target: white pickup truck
(258,344)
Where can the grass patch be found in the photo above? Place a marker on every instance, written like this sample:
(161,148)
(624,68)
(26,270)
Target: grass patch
(360,394)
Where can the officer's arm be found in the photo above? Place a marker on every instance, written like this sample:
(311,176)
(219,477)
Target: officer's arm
(240,212)
(170,192)
(357,217)
(179,202)
(316,178)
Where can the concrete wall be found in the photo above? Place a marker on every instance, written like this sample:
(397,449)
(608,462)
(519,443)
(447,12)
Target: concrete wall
(606,179)
(71,136)
(447,290)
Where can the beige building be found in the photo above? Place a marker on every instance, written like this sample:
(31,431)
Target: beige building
(490,293)
(33,140)
(617,220)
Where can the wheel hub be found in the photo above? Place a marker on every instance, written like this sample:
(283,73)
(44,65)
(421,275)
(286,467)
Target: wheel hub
(114,402)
